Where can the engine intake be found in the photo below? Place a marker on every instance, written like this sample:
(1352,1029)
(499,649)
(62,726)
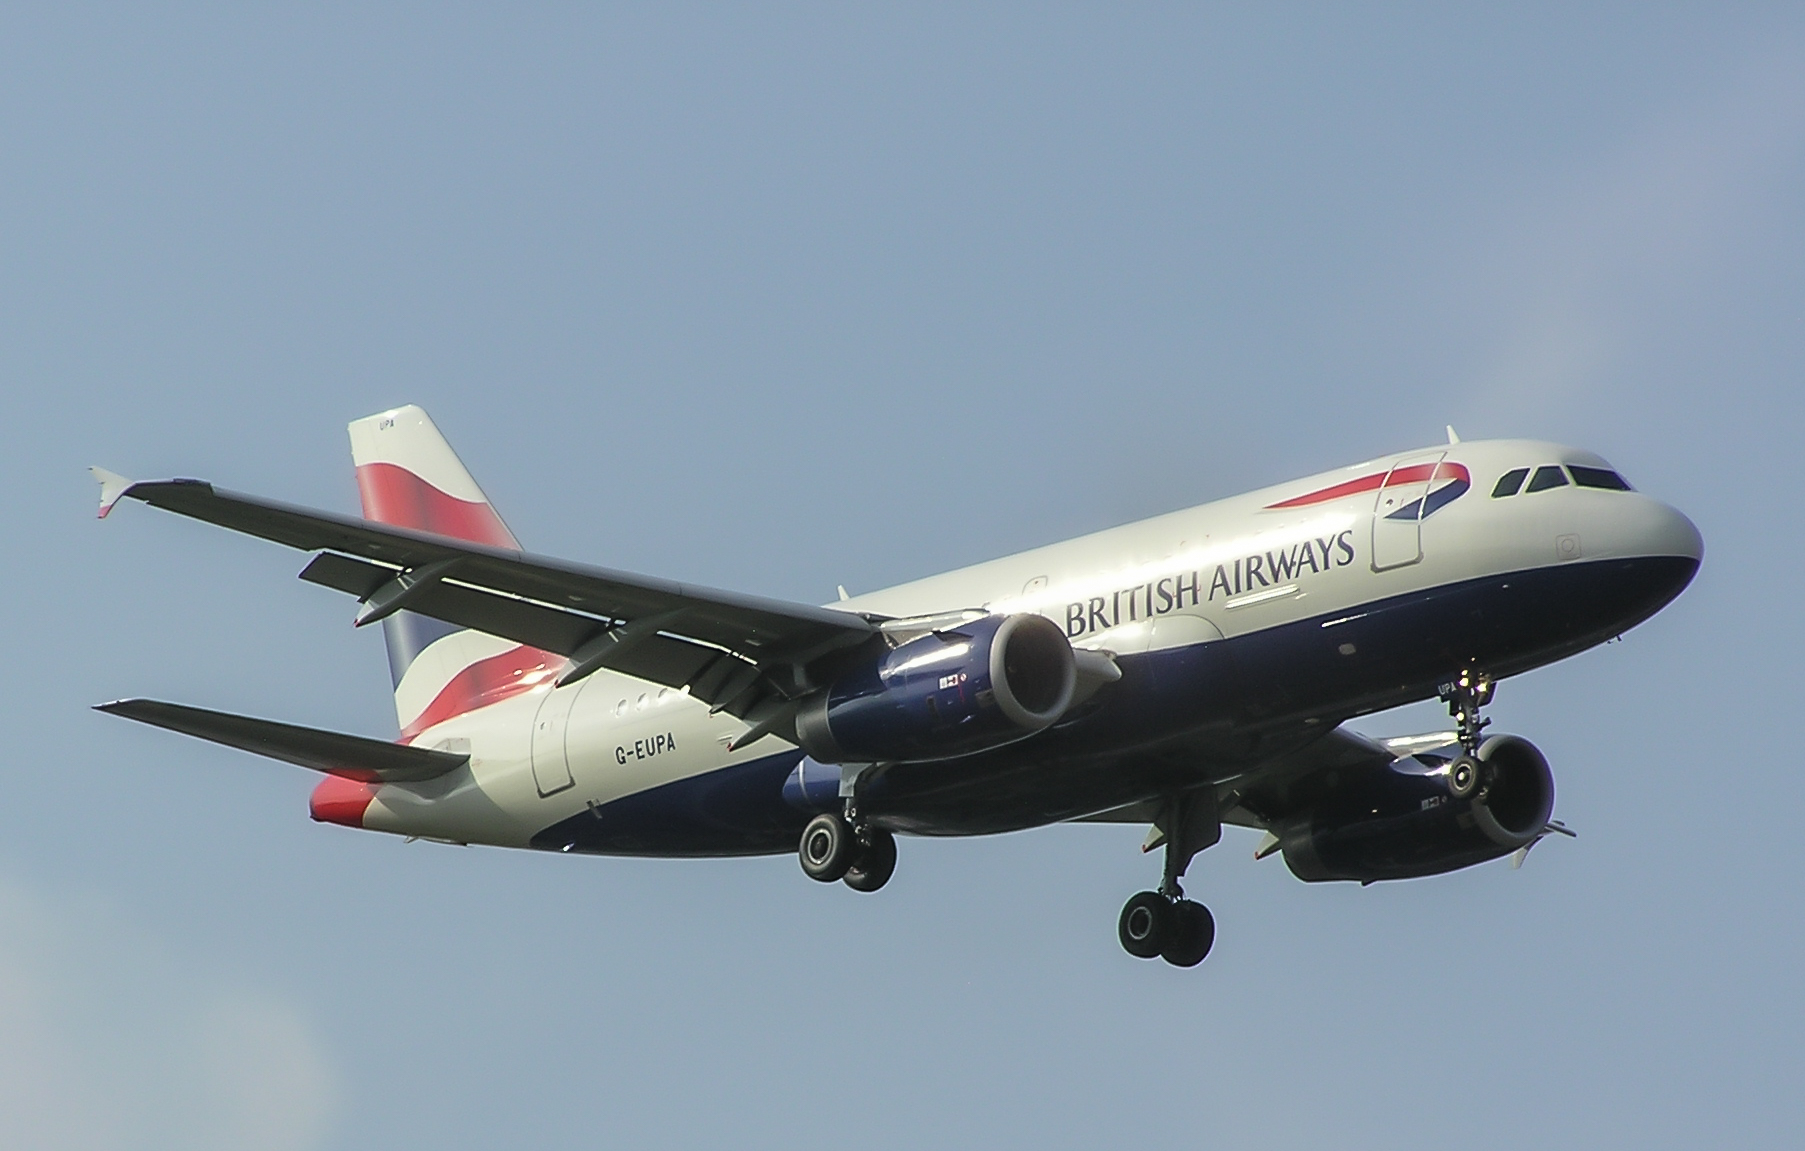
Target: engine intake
(1401,823)
(982,685)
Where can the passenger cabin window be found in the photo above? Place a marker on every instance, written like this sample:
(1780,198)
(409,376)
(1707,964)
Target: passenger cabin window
(1597,478)
(1509,482)
(1547,476)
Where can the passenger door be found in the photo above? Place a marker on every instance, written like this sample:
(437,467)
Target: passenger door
(551,763)
(1397,513)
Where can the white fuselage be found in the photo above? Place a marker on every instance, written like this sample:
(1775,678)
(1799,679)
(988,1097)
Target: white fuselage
(1213,573)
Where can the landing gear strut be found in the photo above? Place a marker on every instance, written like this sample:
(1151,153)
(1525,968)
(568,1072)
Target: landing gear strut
(1164,922)
(1469,692)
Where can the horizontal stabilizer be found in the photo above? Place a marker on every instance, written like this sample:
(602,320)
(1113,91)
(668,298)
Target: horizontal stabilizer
(349,756)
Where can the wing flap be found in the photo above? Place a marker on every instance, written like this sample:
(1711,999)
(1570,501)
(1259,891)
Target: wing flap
(342,573)
(537,625)
(670,660)
(350,756)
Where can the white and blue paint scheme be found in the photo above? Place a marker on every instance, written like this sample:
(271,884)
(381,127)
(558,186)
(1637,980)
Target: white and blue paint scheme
(1182,671)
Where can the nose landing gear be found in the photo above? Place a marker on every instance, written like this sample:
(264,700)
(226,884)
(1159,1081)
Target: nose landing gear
(1164,923)
(1465,695)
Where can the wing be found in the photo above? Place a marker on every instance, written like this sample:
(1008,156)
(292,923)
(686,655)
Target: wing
(350,756)
(1294,780)
(1263,789)
(737,653)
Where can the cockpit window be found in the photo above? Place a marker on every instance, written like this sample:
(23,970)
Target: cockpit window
(1547,476)
(1604,478)
(1509,482)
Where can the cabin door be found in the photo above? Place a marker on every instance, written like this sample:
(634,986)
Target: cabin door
(551,763)
(1398,511)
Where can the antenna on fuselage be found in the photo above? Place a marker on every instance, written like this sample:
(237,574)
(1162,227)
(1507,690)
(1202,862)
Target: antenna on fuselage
(1453,436)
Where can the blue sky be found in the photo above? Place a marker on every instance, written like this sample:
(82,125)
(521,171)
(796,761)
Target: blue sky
(784,299)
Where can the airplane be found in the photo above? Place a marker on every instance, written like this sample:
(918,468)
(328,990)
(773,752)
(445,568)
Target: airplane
(1183,672)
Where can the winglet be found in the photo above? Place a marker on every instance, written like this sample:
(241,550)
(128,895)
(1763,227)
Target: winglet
(112,486)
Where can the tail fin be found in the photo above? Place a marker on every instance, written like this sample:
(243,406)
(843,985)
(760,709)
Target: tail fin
(408,476)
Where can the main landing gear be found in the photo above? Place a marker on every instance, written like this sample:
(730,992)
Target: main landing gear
(833,848)
(1468,692)
(1164,923)
(1180,931)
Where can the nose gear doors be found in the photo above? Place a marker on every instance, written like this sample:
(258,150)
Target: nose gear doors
(1398,510)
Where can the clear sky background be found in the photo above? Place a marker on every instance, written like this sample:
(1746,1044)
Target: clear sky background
(780,299)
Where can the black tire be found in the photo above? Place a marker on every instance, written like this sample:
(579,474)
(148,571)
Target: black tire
(1192,932)
(874,863)
(1463,776)
(1145,922)
(827,848)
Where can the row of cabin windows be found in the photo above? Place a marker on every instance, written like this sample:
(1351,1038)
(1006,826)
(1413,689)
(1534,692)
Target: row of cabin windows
(1554,476)
(620,709)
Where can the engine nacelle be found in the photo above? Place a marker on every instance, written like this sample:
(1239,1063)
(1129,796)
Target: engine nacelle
(1400,822)
(982,685)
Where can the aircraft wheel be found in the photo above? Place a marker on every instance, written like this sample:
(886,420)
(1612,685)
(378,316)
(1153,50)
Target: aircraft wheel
(1192,932)
(1144,924)
(827,847)
(1463,776)
(873,864)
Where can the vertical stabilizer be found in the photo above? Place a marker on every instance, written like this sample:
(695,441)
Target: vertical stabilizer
(408,476)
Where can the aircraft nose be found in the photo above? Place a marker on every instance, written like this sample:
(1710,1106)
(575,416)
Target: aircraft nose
(1668,550)
(1670,533)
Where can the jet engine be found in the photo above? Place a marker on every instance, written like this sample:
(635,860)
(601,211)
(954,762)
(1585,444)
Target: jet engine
(970,688)
(1400,822)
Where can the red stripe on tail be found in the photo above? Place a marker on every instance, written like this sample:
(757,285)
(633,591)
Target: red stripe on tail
(393,495)
(485,682)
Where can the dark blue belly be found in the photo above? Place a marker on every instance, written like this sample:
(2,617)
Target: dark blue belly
(1175,717)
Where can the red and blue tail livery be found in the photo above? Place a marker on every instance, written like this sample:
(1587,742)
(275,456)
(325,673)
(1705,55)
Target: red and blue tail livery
(1188,673)
(408,476)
